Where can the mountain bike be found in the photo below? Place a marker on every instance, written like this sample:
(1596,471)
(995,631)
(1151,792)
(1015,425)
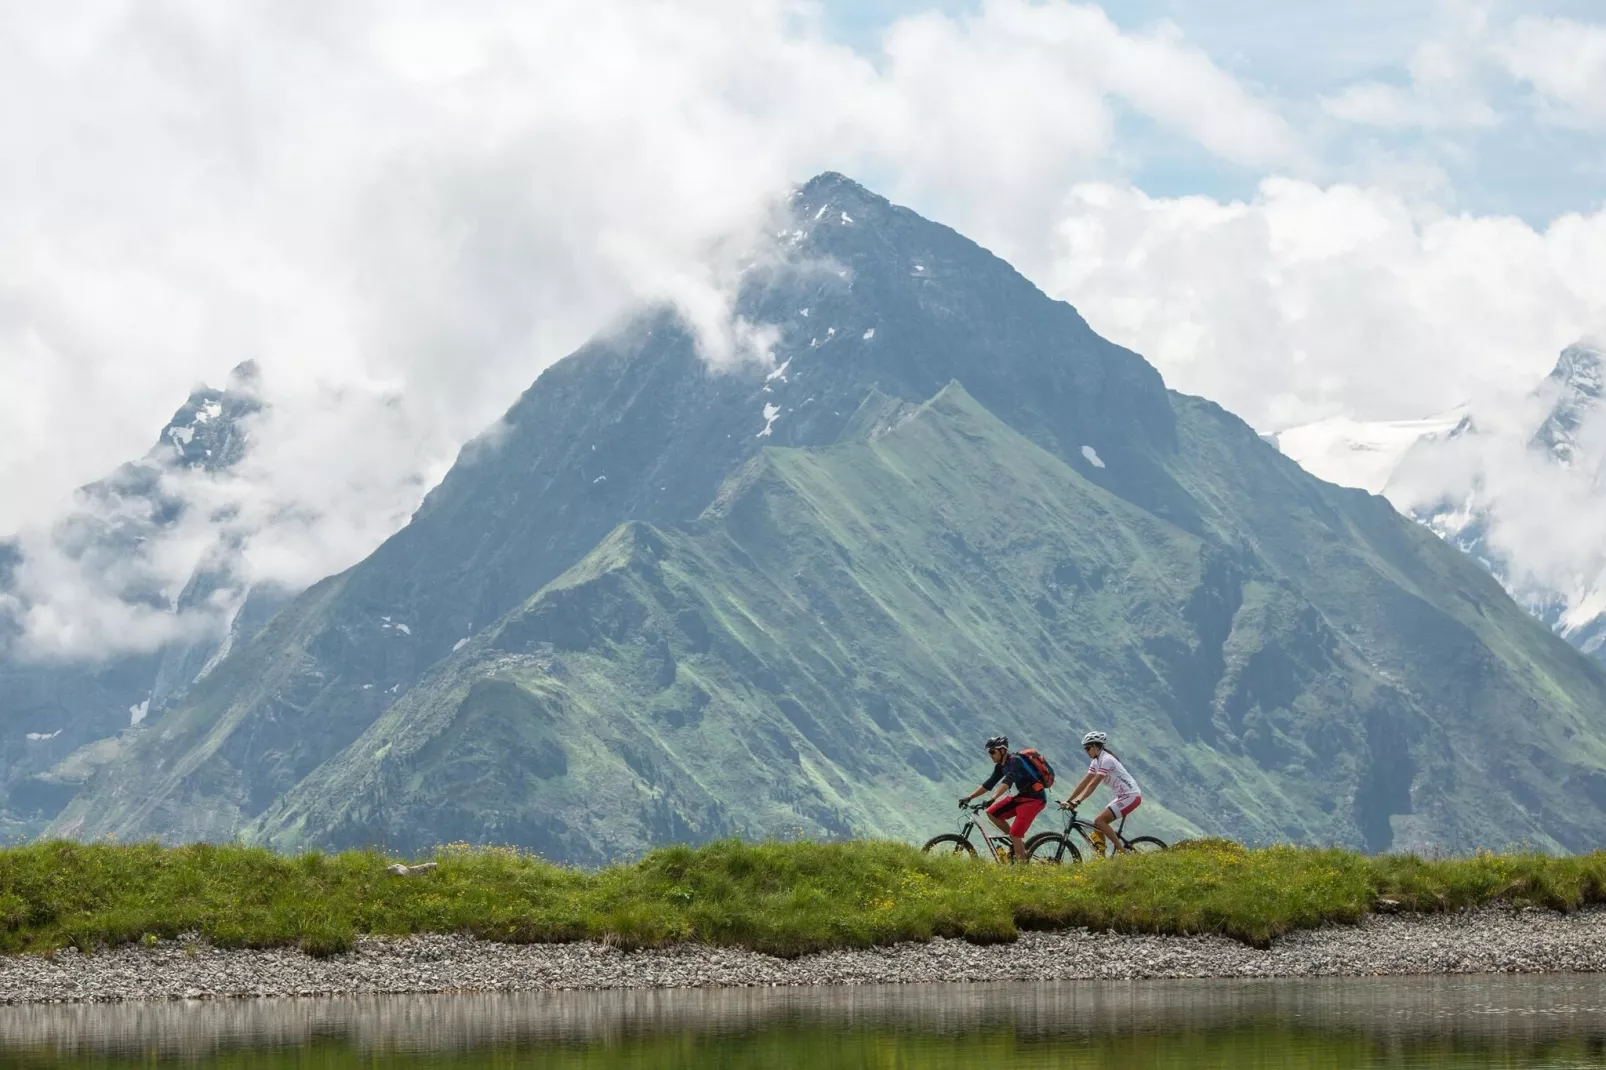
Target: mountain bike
(1057,847)
(959,843)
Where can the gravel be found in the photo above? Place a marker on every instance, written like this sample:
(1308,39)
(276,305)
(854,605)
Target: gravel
(1489,940)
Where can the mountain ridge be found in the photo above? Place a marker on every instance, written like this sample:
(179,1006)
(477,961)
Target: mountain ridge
(947,504)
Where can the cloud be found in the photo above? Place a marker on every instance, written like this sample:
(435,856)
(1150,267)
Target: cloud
(1310,301)
(1537,514)
(1461,79)
(405,211)
(1447,82)
(1565,63)
(1007,104)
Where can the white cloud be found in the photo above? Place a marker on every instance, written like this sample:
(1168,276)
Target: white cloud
(405,211)
(1309,301)
(1446,87)
(1458,78)
(1564,61)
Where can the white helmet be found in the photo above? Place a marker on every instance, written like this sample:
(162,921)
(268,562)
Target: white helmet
(1095,737)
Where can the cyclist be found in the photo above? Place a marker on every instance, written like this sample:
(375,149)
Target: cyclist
(1012,815)
(1106,768)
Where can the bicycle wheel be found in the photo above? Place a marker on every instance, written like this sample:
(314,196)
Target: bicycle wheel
(1050,848)
(1144,845)
(949,843)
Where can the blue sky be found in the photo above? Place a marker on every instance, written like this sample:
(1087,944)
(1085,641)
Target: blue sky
(1298,52)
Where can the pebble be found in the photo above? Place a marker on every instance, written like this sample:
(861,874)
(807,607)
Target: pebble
(1487,940)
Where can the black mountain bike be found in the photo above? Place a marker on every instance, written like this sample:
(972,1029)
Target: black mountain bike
(959,842)
(1057,847)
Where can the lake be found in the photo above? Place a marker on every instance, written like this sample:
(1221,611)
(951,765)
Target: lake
(1548,1021)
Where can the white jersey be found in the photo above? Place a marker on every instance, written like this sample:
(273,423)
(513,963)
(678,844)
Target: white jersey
(1108,768)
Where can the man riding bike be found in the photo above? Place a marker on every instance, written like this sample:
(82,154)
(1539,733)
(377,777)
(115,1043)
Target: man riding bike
(1012,815)
(1105,768)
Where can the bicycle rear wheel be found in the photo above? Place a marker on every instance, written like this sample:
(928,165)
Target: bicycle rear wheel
(950,843)
(1050,848)
(1145,844)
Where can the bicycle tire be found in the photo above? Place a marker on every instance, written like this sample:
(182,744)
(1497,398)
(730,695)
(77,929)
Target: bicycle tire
(1146,844)
(1055,849)
(957,843)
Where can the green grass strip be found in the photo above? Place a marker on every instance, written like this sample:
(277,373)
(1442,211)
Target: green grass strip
(784,899)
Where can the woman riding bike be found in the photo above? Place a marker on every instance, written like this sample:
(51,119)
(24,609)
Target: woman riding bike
(1106,768)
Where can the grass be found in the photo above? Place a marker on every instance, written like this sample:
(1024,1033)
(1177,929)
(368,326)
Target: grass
(785,899)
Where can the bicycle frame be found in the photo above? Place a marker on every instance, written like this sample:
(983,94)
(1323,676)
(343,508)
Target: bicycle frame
(973,824)
(1083,827)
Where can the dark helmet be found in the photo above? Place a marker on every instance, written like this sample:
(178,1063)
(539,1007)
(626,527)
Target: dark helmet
(997,742)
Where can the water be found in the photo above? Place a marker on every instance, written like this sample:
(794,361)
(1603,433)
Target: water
(1556,1021)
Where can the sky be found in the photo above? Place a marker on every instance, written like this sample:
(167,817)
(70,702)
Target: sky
(403,211)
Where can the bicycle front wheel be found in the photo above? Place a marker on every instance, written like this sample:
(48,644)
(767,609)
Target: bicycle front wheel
(1144,845)
(1050,848)
(950,843)
(1033,840)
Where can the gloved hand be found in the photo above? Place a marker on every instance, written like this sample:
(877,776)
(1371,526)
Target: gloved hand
(964,801)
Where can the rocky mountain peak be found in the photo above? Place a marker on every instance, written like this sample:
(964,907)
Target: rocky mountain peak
(1576,383)
(245,379)
(206,431)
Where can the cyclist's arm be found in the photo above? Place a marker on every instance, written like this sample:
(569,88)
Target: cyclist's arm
(998,775)
(1084,788)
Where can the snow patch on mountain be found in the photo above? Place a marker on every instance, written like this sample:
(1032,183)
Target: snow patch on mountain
(771,414)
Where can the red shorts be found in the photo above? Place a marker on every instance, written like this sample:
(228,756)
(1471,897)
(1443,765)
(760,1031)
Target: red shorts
(1023,810)
(1124,805)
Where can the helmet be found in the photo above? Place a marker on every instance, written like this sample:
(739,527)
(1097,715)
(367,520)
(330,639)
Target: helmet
(1091,738)
(998,741)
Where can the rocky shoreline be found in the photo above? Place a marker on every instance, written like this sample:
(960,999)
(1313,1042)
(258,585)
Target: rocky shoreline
(1489,940)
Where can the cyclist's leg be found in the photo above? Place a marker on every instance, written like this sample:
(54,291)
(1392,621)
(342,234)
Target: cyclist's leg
(1105,822)
(1118,808)
(1000,812)
(1026,812)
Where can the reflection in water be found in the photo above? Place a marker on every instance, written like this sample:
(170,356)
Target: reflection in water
(1557,1021)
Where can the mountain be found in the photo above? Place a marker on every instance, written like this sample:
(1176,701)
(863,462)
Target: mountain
(1575,389)
(668,602)
(1484,486)
(52,707)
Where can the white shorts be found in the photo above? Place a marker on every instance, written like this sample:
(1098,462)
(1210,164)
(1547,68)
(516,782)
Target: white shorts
(1122,805)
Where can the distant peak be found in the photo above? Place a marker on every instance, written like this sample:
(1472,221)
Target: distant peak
(832,189)
(1577,384)
(1581,365)
(245,378)
(828,181)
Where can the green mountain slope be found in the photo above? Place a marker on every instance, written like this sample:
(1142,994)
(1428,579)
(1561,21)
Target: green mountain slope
(668,603)
(825,647)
